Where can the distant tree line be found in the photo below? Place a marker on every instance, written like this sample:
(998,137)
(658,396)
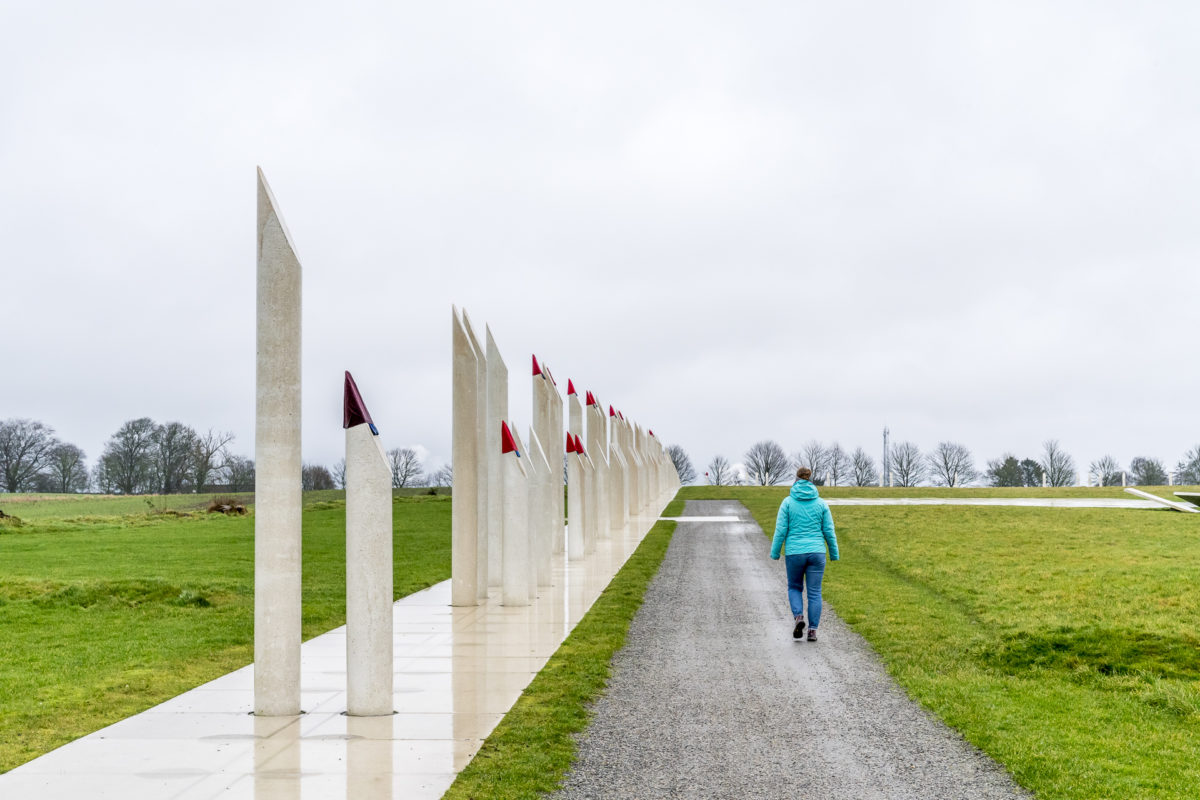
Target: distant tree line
(147,457)
(766,463)
(141,457)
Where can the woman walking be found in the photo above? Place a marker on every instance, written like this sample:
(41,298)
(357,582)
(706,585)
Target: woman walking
(802,530)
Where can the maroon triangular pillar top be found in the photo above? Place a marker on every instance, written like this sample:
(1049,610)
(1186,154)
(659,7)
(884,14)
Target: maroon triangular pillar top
(611,412)
(571,387)
(591,399)
(354,410)
(536,369)
(579,447)
(570,444)
(507,443)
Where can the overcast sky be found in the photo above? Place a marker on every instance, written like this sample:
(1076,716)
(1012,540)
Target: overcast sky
(969,221)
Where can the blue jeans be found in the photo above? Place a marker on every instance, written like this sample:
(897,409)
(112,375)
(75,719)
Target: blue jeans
(805,568)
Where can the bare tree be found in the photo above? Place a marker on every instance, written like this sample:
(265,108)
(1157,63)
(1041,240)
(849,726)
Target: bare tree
(862,468)
(1187,471)
(837,464)
(127,463)
(239,474)
(814,456)
(1107,470)
(908,467)
(442,476)
(406,467)
(767,464)
(1057,464)
(683,464)
(25,448)
(207,457)
(339,473)
(67,470)
(951,464)
(314,477)
(720,472)
(1147,472)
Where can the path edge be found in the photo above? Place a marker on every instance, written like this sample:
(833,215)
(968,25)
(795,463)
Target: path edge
(534,746)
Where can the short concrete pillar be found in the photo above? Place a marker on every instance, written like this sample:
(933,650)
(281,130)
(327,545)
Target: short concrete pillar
(278,500)
(514,544)
(368,563)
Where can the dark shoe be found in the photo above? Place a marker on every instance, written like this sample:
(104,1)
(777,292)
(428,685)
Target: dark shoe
(798,631)
(812,634)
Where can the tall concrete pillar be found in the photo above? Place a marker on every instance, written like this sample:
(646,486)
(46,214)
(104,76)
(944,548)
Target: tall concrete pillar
(618,478)
(540,508)
(497,409)
(481,461)
(514,544)
(464,513)
(597,450)
(547,506)
(278,500)
(635,468)
(556,455)
(644,471)
(575,476)
(591,500)
(368,562)
(575,501)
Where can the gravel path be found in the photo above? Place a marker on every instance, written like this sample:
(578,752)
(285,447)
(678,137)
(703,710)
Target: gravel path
(711,697)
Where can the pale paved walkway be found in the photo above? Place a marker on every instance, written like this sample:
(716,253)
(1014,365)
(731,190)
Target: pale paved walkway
(458,671)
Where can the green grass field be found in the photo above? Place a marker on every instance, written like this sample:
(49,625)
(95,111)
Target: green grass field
(105,612)
(1063,642)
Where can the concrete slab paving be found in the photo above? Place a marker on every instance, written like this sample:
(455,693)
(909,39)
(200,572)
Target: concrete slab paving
(457,671)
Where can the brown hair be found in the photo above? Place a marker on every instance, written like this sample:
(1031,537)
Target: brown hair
(804,474)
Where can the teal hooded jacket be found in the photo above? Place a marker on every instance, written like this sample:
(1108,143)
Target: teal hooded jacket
(804,524)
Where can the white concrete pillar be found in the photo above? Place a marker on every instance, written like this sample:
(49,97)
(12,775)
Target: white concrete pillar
(368,563)
(540,501)
(575,487)
(618,478)
(629,447)
(591,500)
(497,409)
(464,519)
(278,500)
(556,454)
(481,461)
(575,502)
(514,538)
(597,450)
(547,507)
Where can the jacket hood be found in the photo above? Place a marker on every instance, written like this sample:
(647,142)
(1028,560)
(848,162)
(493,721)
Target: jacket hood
(804,490)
